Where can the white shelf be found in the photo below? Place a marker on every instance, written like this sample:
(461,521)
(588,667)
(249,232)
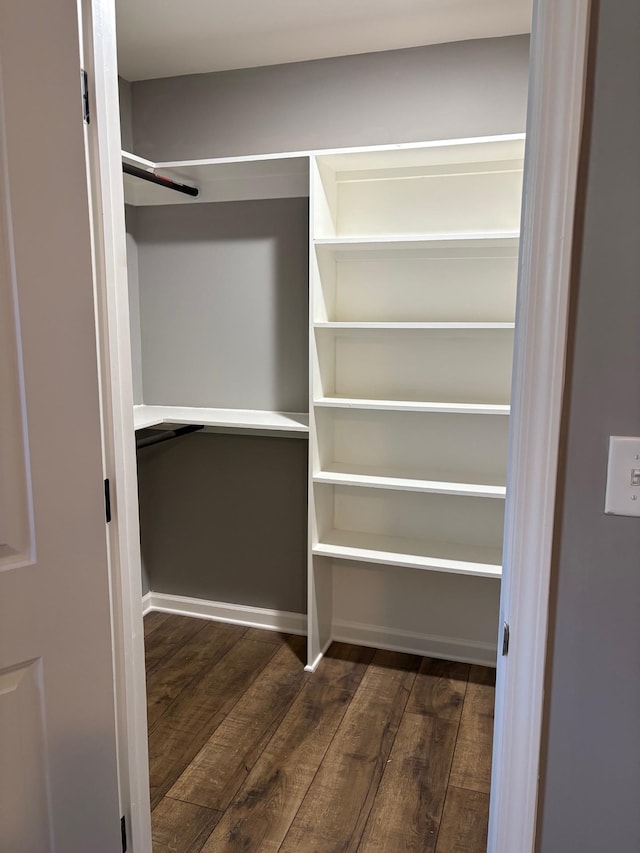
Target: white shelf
(366,243)
(392,159)
(134,160)
(411,553)
(397,479)
(242,419)
(412,406)
(413,326)
(221,179)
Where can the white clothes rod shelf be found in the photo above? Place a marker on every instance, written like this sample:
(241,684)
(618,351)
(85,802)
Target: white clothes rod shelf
(241,419)
(219,179)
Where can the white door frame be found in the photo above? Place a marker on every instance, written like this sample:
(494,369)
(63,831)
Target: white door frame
(114,340)
(554,131)
(556,96)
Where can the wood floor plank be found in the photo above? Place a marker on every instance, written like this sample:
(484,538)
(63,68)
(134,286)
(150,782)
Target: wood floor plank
(192,718)
(153,620)
(439,689)
(334,812)
(262,812)
(471,766)
(224,762)
(181,827)
(408,806)
(352,757)
(168,637)
(464,822)
(178,671)
(277,637)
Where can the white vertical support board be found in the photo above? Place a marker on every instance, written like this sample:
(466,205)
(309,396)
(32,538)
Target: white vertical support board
(555,116)
(320,570)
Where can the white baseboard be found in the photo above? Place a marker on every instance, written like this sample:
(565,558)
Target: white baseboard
(433,646)
(311,667)
(449,648)
(238,614)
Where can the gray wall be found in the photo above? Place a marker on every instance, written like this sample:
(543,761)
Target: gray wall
(591,784)
(224,304)
(224,517)
(470,88)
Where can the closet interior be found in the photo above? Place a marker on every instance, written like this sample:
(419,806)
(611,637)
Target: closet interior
(339,324)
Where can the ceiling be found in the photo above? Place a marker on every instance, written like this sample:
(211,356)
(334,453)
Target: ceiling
(165,38)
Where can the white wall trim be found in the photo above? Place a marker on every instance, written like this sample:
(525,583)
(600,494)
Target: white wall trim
(556,101)
(220,611)
(428,645)
(372,636)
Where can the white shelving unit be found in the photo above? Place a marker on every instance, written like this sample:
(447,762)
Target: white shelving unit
(413,271)
(413,280)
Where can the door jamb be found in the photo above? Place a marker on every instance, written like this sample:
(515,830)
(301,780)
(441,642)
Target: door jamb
(556,95)
(557,76)
(107,197)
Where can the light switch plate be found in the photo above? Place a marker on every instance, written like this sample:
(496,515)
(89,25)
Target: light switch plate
(623,476)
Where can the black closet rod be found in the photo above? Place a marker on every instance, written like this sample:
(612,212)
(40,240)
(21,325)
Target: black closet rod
(166,435)
(158,179)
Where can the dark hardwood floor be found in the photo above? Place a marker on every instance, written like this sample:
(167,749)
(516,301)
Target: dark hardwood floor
(377,752)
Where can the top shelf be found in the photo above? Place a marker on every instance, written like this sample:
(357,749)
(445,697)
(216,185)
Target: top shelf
(468,191)
(354,164)
(286,175)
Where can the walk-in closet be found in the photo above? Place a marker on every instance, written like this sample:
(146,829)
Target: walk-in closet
(322,263)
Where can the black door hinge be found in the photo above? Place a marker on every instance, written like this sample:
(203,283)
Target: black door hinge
(123,832)
(86,115)
(505,638)
(107,501)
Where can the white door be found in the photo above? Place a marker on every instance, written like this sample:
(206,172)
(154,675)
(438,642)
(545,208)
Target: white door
(58,773)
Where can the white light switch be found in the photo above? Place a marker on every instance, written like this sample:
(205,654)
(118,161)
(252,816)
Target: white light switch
(623,476)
